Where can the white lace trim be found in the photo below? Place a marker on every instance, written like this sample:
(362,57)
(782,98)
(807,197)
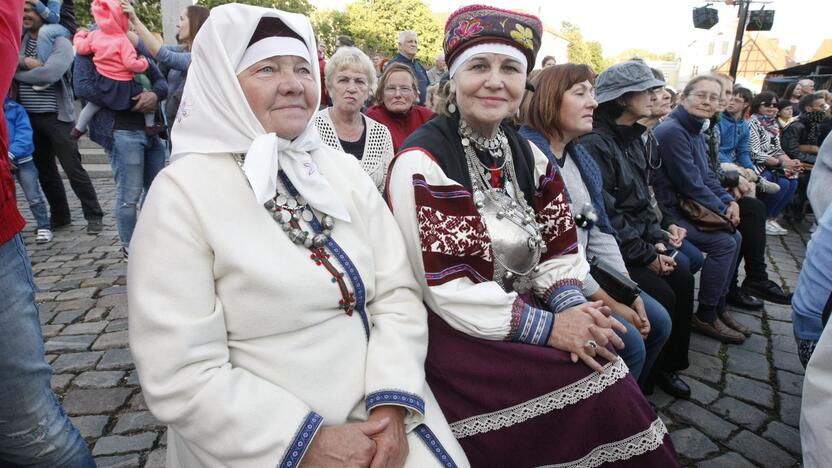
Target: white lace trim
(646,441)
(576,391)
(378,147)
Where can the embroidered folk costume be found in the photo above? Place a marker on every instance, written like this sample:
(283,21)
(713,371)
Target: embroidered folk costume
(378,145)
(492,241)
(269,288)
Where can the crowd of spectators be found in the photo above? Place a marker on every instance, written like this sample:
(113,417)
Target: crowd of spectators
(662,184)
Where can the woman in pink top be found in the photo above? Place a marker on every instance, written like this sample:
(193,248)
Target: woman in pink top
(120,70)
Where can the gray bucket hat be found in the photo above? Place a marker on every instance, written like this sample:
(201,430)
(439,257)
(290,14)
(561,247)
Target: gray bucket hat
(623,78)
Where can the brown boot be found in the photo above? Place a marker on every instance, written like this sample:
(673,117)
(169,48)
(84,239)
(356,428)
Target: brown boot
(717,330)
(729,320)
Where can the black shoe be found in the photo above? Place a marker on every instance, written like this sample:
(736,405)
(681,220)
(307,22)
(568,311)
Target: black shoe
(94,226)
(739,298)
(673,385)
(57,225)
(768,290)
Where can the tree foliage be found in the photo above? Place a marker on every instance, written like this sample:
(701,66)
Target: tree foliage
(328,25)
(375,26)
(580,51)
(294,6)
(645,54)
(150,11)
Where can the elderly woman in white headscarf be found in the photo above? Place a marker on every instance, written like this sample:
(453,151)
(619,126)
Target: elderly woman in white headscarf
(274,318)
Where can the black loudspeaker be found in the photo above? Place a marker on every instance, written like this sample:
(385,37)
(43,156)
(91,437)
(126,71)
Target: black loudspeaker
(705,18)
(760,20)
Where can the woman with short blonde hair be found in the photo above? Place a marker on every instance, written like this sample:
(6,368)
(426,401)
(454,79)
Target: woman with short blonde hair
(350,78)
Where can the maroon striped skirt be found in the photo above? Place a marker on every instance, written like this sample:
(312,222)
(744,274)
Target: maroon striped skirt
(517,405)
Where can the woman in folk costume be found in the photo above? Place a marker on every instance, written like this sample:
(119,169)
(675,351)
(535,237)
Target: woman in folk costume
(491,238)
(274,318)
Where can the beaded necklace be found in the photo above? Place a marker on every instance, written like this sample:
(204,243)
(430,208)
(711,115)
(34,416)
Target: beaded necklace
(491,196)
(287,210)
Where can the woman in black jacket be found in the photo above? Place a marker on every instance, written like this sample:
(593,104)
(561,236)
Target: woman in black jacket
(625,95)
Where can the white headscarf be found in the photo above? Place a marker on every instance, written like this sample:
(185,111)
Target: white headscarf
(215,118)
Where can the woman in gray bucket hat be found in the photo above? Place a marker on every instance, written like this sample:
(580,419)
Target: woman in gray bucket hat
(626,93)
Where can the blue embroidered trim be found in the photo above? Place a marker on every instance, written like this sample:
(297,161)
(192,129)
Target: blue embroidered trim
(395,397)
(430,276)
(564,294)
(351,270)
(297,449)
(435,446)
(454,194)
(355,278)
(535,326)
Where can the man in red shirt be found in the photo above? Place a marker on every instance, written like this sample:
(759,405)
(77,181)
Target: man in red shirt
(33,429)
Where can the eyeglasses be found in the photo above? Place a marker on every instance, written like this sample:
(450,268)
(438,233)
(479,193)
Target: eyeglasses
(392,90)
(708,97)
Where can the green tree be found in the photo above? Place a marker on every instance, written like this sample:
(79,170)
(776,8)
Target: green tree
(150,11)
(328,25)
(644,54)
(294,6)
(375,26)
(580,51)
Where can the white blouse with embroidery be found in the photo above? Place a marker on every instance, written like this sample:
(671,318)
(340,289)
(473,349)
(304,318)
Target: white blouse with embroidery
(481,309)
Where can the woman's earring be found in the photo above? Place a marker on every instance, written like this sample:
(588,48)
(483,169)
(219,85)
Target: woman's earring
(452,108)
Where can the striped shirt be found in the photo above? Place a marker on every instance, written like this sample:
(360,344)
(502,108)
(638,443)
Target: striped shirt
(36,102)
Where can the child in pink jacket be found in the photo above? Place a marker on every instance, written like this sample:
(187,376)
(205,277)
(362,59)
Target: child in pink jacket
(120,70)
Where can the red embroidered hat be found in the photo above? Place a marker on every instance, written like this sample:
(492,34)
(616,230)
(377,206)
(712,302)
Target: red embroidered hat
(480,24)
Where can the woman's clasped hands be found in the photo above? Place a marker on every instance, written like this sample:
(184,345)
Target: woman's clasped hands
(584,331)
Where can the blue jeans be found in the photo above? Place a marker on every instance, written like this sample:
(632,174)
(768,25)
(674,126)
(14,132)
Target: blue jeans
(136,158)
(722,251)
(27,177)
(777,201)
(690,257)
(34,430)
(46,39)
(640,354)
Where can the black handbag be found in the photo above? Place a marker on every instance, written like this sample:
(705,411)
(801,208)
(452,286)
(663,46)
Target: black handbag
(619,287)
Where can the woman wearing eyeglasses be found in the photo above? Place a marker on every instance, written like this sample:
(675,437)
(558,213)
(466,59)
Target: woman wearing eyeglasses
(770,161)
(396,103)
(686,176)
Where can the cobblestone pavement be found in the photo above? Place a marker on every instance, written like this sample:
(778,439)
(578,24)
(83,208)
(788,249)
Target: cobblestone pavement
(744,411)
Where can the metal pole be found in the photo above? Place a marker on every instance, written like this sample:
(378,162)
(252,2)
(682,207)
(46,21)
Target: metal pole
(743,20)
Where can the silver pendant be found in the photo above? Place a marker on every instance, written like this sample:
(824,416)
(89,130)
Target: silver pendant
(522,283)
(319,241)
(291,203)
(281,199)
(285,216)
(307,215)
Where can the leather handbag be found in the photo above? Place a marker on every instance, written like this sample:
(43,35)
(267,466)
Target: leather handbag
(618,286)
(704,218)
